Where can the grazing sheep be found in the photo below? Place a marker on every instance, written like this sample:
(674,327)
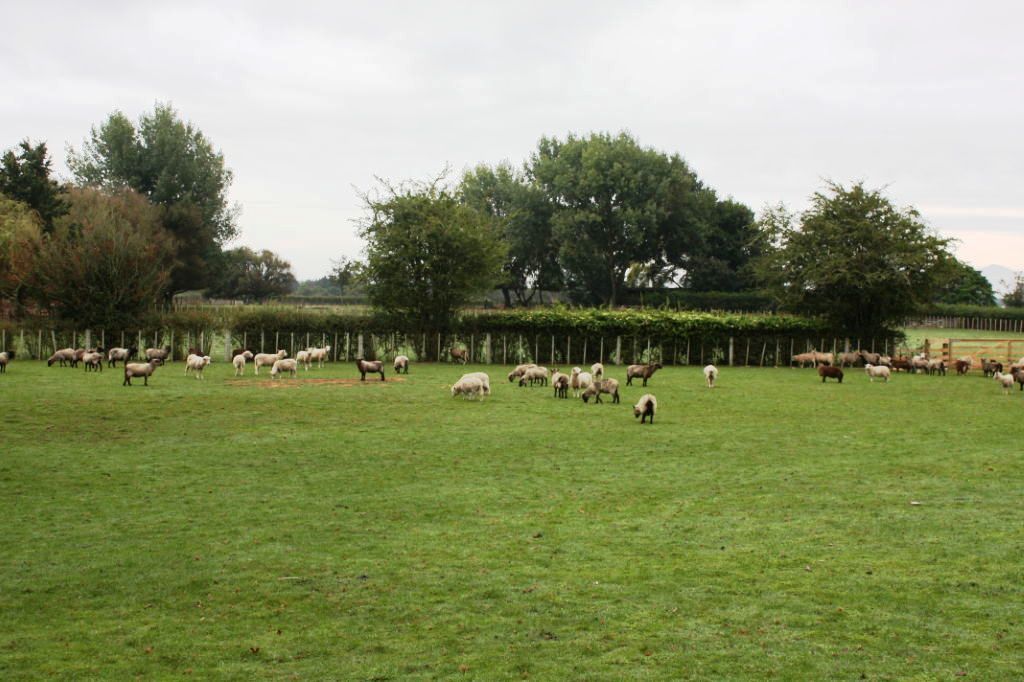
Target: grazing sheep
(579,381)
(5,357)
(560,382)
(870,358)
(122,354)
(139,369)
(643,371)
(609,386)
(160,354)
(1006,380)
(484,379)
(828,372)
(369,366)
(460,355)
(875,371)
(320,355)
(93,361)
(710,375)
(401,364)
(261,359)
(597,369)
(196,363)
(851,359)
(303,358)
(282,365)
(646,406)
(534,375)
(990,367)
(962,367)
(803,358)
(239,361)
(64,355)
(824,358)
(936,366)
(518,371)
(468,387)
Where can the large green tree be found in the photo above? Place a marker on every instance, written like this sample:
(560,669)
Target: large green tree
(616,205)
(20,231)
(729,246)
(169,161)
(254,275)
(521,215)
(965,286)
(855,259)
(25,176)
(106,262)
(428,254)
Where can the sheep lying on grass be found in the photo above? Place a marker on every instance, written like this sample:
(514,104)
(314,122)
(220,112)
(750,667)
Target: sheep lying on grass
(401,364)
(139,369)
(1006,380)
(643,371)
(196,364)
(283,365)
(535,375)
(877,372)
(519,371)
(829,372)
(64,355)
(122,354)
(369,367)
(93,361)
(5,358)
(710,375)
(645,407)
(609,386)
(261,359)
(597,370)
(468,387)
(239,362)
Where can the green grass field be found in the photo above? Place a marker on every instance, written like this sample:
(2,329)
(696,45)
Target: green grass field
(773,527)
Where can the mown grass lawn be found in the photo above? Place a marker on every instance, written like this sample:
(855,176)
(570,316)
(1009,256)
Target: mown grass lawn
(773,527)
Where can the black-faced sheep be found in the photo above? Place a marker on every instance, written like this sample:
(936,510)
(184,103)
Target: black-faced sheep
(645,407)
(5,358)
(401,364)
(597,370)
(561,384)
(369,367)
(643,371)
(518,371)
(609,386)
(990,367)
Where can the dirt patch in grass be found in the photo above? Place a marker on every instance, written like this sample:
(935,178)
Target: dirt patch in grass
(292,383)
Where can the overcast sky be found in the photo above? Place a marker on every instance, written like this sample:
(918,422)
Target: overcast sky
(309,101)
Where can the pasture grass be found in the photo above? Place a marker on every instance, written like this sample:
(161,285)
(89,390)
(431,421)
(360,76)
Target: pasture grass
(771,528)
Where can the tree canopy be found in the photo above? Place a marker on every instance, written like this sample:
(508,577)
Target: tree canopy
(254,276)
(20,231)
(854,258)
(26,177)
(965,286)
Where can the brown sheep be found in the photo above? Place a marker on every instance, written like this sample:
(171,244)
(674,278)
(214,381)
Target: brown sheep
(829,372)
(371,367)
(460,355)
(609,386)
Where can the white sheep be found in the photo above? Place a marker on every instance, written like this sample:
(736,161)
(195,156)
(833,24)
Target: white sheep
(319,355)
(609,386)
(534,375)
(710,375)
(401,364)
(484,379)
(64,355)
(122,354)
(645,407)
(518,371)
(282,365)
(468,387)
(1006,380)
(303,357)
(93,360)
(261,359)
(239,362)
(196,363)
(579,381)
(597,369)
(877,372)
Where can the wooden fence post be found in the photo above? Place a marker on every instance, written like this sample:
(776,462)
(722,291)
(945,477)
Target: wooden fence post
(730,351)
(618,350)
(487,349)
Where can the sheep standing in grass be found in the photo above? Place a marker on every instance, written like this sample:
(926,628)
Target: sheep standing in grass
(1018,376)
(303,358)
(518,371)
(93,361)
(139,369)
(877,372)
(645,407)
(643,371)
(401,364)
(804,358)
(962,367)
(319,355)
(936,366)
(196,364)
(851,359)
(460,355)
(239,362)
(484,379)
(468,387)
(159,354)
(1005,380)
(535,375)
(282,365)
(824,358)
(5,358)
(990,367)
(609,386)
(710,375)
(64,355)
(371,367)
(261,359)
(122,354)
(597,370)
(579,381)
(560,382)
(829,372)
(919,362)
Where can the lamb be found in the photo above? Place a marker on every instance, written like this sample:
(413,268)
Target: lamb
(484,379)
(518,371)
(646,406)
(261,359)
(560,382)
(64,355)
(369,366)
(468,387)
(873,372)
(196,363)
(93,361)
(609,386)
(160,354)
(826,371)
(282,365)
(643,371)
(122,354)
(710,375)
(1006,380)
(5,357)
(139,369)
(534,375)
(460,355)
(597,369)
(303,358)
(401,364)
(579,381)
(319,355)
(239,361)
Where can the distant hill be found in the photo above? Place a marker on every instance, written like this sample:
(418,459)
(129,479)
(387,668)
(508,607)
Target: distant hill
(1000,276)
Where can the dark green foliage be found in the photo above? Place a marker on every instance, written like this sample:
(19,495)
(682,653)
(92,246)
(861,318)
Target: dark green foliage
(1015,297)
(966,286)
(253,276)
(25,177)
